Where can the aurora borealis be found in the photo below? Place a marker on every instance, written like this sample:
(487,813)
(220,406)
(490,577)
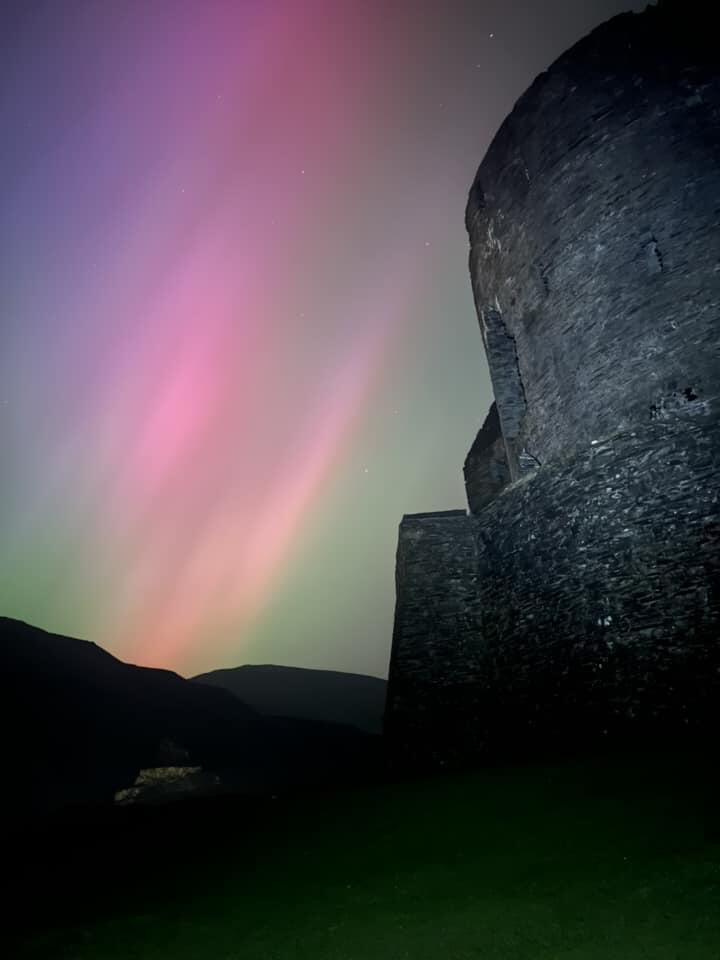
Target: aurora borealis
(238,339)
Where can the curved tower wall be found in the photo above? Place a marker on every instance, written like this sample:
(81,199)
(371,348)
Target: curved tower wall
(582,598)
(595,240)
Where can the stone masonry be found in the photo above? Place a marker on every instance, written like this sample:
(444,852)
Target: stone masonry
(580,597)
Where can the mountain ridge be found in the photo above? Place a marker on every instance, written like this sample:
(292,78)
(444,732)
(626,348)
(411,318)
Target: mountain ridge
(328,696)
(83,723)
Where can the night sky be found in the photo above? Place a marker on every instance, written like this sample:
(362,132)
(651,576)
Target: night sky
(238,339)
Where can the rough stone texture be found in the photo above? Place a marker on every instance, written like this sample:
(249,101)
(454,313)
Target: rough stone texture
(486,468)
(509,392)
(437,622)
(583,601)
(595,249)
(589,590)
(167,783)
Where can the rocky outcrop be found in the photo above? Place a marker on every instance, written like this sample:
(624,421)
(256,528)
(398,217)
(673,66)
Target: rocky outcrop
(163,784)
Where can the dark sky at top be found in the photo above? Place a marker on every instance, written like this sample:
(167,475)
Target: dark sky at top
(238,339)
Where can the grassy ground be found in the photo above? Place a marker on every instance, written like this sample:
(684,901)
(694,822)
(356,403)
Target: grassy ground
(602,860)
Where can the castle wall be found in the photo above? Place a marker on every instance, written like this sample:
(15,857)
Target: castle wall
(508,389)
(584,601)
(486,469)
(437,625)
(594,237)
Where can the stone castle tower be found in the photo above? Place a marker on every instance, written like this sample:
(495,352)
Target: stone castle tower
(582,591)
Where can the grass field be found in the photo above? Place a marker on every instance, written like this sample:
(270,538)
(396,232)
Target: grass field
(610,859)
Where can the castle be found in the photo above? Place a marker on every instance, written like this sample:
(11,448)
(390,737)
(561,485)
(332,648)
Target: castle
(580,595)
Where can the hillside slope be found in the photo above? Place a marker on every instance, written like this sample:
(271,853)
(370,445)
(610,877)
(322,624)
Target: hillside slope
(325,695)
(82,723)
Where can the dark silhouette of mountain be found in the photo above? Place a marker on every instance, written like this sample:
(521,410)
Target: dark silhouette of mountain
(325,695)
(80,724)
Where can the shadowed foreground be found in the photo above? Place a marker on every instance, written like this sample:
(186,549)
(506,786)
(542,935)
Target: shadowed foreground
(611,858)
